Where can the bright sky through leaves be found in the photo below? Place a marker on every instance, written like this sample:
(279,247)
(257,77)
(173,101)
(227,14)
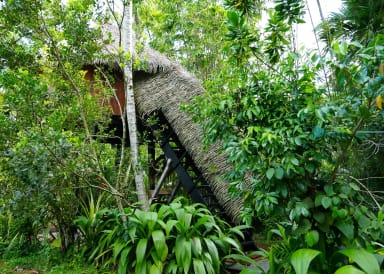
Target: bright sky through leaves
(305,34)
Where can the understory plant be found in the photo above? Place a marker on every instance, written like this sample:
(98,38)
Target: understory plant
(175,238)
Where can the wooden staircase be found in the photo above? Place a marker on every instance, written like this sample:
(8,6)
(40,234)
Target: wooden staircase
(189,176)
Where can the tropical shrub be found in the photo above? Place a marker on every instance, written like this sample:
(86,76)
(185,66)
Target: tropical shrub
(174,238)
(90,222)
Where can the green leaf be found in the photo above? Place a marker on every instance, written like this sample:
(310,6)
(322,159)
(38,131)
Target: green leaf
(141,250)
(298,141)
(347,228)
(169,226)
(232,242)
(318,132)
(155,270)
(343,48)
(294,161)
(319,217)
(279,173)
(123,263)
(198,266)
(233,17)
(158,238)
(214,254)
(171,267)
(336,200)
(117,247)
(340,48)
(349,269)
(244,259)
(342,213)
(248,271)
(270,173)
(329,190)
(179,251)
(196,247)
(183,250)
(187,255)
(310,167)
(312,238)
(318,199)
(208,263)
(326,202)
(302,258)
(364,259)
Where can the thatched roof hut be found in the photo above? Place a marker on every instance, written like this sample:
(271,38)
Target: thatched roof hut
(163,85)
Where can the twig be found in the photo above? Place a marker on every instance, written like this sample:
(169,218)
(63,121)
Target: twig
(368,191)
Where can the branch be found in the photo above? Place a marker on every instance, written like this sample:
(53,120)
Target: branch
(269,66)
(80,98)
(122,155)
(62,162)
(367,190)
(344,151)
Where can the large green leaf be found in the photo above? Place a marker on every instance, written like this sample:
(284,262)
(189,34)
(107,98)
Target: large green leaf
(123,263)
(198,266)
(349,269)
(347,228)
(302,258)
(117,248)
(183,250)
(179,252)
(141,250)
(364,259)
(232,242)
(159,242)
(187,255)
(212,250)
(196,247)
(207,259)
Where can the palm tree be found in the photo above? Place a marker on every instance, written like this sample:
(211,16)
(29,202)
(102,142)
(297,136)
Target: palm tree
(358,20)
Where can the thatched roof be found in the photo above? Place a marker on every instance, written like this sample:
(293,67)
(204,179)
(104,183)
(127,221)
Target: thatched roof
(151,61)
(163,85)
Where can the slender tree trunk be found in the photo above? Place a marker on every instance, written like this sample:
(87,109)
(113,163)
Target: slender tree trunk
(320,11)
(130,110)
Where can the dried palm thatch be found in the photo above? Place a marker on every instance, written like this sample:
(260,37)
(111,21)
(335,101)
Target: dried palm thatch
(148,59)
(163,85)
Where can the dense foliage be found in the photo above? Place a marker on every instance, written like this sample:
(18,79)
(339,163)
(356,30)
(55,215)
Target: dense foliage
(173,28)
(292,139)
(302,130)
(174,238)
(48,147)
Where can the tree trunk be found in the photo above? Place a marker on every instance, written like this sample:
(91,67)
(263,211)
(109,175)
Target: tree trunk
(320,11)
(130,110)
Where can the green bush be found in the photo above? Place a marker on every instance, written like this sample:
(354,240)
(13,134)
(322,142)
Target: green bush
(174,238)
